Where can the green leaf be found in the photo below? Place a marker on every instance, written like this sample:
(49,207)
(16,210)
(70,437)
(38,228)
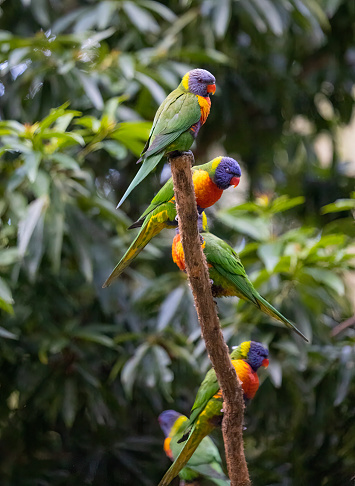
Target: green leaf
(4,333)
(70,402)
(32,161)
(89,335)
(283,203)
(275,372)
(65,161)
(130,369)
(338,205)
(256,228)
(28,224)
(5,292)
(169,307)
(140,18)
(8,256)
(91,89)
(326,277)
(270,254)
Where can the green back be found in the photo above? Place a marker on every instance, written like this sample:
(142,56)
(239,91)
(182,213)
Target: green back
(178,112)
(226,263)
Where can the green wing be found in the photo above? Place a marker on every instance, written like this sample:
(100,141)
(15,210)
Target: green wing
(178,113)
(227,263)
(165,195)
(176,117)
(208,388)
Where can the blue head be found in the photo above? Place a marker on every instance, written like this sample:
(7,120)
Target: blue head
(227,173)
(257,356)
(199,82)
(167,419)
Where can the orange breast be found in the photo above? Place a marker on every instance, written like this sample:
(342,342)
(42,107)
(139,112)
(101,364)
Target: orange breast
(248,377)
(167,449)
(205,106)
(207,193)
(178,253)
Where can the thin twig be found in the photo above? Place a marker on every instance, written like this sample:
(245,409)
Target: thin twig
(197,271)
(343,325)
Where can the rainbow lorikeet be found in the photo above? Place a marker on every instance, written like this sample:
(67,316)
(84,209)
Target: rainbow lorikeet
(177,122)
(207,413)
(210,180)
(228,275)
(206,461)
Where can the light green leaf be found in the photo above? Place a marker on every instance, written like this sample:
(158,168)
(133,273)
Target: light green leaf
(5,292)
(32,161)
(270,254)
(169,307)
(130,369)
(29,223)
(326,277)
(256,228)
(140,18)
(283,203)
(339,205)
(65,161)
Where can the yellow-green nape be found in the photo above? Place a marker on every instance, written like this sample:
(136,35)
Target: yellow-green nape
(244,347)
(185,80)
(216,161)
(204,222)
(177,424)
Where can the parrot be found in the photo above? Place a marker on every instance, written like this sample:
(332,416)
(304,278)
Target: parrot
(206,413)
(210,180)
(206,460)
(176,122)
(227,274)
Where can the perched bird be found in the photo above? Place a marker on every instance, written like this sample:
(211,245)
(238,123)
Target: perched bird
(207,413)
(206,461)
(177,121)
(210,180)
(228,275)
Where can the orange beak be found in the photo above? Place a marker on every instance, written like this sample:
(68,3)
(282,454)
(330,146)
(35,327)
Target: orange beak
(265,363)
(235,181)
(211,88)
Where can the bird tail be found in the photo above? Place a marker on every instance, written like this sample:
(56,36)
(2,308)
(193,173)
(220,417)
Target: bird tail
(149,230)
(148,165)
(271,311)
(196,435)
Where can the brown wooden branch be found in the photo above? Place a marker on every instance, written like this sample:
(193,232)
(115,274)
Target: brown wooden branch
(197,271)
(343,325)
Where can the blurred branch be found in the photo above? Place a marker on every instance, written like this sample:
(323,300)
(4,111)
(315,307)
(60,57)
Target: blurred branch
(217,349)
(343,325)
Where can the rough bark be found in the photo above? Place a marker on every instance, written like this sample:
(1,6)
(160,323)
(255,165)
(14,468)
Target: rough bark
(197,271)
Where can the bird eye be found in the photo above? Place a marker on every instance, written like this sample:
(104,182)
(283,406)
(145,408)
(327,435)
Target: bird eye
(228,171)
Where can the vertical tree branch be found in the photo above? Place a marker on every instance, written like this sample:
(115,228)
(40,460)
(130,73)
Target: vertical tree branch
(197,271)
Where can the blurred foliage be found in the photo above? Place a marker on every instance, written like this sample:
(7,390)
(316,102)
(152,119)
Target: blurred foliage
(85,371)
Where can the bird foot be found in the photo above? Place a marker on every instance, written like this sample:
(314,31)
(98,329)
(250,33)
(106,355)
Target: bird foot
(179,153)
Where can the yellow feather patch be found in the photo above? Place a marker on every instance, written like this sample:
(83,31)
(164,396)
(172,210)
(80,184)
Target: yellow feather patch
(204,222)
(245,346)
(177,424)
(185,81)
(215,162)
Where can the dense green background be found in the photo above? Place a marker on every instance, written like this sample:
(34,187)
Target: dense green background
(84,371)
